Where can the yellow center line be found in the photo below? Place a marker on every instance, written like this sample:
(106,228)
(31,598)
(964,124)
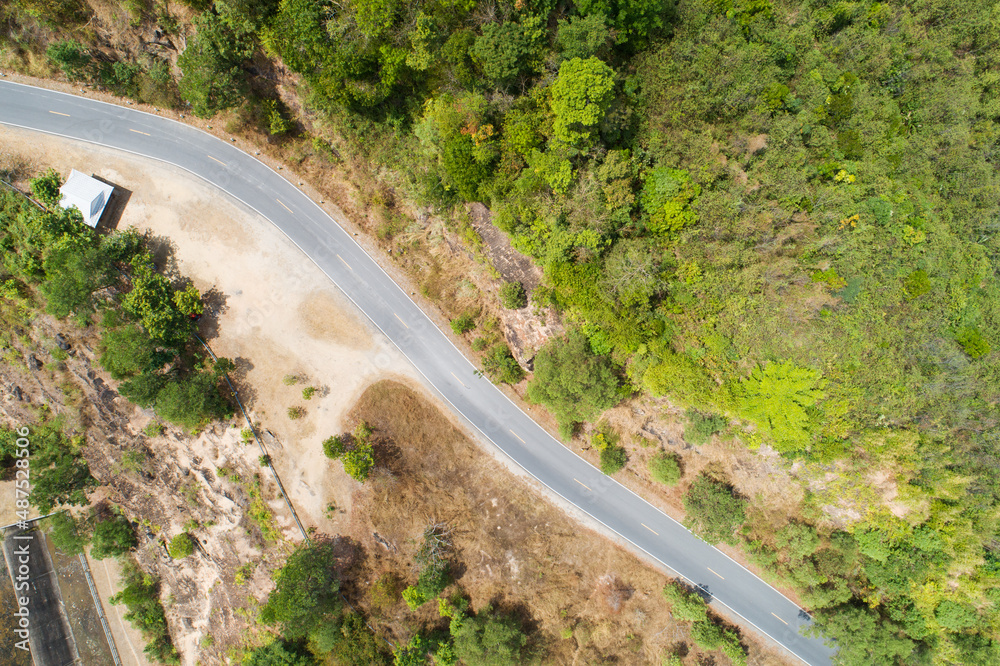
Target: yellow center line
(650,529)
(716,573)
(138,132)
(345,263)
(215,160)
(583,484)
(779,618)
(60,114)
(518,436)
(284,206)
(459,380)
(400,320)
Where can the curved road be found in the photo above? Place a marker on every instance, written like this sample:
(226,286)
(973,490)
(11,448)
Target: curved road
(445,368)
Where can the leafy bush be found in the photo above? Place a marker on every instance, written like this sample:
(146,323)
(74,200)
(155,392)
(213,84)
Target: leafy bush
(613,459)
(281,653)
(700,427)
(664,468)
(334,447)
(685,605)
(973,342)
(46,187)
(112,537)
(463,323)
(713,510)
(358,457)
(513,296)
(501,366)
(181,546)
(72,58)
(488,639)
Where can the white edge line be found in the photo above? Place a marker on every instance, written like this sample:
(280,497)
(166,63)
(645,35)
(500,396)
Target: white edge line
(351,238)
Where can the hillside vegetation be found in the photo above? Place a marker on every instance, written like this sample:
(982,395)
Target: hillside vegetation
(781,213)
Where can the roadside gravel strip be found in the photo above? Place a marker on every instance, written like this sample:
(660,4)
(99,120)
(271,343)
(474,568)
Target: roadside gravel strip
(473,397)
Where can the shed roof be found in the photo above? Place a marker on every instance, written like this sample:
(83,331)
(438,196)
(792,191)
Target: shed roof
(86,194)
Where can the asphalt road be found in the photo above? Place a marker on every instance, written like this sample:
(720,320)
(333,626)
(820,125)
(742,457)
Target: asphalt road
(485,407)
(50,640)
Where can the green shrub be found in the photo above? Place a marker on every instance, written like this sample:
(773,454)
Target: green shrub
(613,459)
(713,510)
(112,538)
(46,187)
(917,284)
(700,427)
(333,447)
(501,366)
(685,605)
(664,468)
(512,296)
(141,595)
(973,342)
(308,392)
(181,546)
(296,413)
(463,323)
(479,344)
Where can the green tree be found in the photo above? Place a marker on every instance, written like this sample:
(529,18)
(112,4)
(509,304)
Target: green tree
(181,546)
(488,639)
(635,21)
(581,96)
(143,388)
(776,397)
(188,301)
(305,594)
(213,78)
(861,637)
(112,537)
(141,595)
(505,50)
(68,534)
(46,188)
(72,58)
(151,300)
(192,401)
(583,36)
(334,447)
(954,616)
(74,270)
(572,381)
(127,351)
(667,198)
(713,510)
(613,459)
(279,653)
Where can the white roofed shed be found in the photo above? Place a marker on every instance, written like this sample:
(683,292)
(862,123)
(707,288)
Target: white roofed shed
(88,195)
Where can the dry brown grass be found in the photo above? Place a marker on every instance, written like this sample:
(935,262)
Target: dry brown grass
(512,547)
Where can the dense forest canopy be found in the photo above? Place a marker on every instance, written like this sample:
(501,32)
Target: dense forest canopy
(785,213)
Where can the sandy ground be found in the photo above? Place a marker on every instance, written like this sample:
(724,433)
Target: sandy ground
(294,322)
(269,309)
